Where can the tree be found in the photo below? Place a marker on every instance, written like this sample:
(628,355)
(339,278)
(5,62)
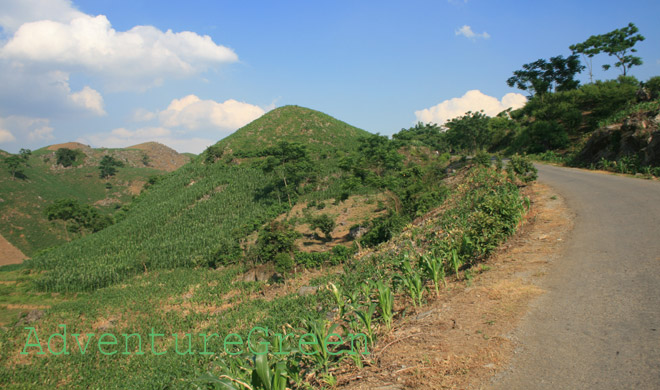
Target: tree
(15,163)
(542,76)
(66,157)
(291,164)
(108,166)
(77,217)
(469,133)
(618,43)
(324,223)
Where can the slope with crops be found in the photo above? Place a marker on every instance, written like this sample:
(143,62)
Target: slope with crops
(183,262)
(32,182)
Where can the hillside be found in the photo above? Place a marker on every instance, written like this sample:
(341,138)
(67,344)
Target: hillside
(24,200)
(219,246)
(319,131)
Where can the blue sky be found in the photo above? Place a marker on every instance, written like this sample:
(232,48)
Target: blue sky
(116,73)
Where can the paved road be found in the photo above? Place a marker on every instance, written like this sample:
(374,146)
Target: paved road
(598,327)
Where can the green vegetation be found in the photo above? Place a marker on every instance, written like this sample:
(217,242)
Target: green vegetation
(67,157)
(24,200)
(108,166)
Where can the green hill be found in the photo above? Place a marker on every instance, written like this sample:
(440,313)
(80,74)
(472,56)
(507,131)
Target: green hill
(187,218)
(24,200)
(319,131)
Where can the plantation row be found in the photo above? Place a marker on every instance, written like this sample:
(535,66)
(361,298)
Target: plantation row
(177,223)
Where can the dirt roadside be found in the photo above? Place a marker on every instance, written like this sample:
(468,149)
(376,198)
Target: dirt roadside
(9,254)
(461,339)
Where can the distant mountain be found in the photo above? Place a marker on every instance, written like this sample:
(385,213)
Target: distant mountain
(23,200)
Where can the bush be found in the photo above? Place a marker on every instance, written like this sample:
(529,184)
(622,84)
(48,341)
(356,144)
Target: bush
(324,223)
(544,135)
(653,86)
(482,158)
(522,168)
(283,262)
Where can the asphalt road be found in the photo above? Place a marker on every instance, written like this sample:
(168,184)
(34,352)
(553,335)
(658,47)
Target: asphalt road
(598,326)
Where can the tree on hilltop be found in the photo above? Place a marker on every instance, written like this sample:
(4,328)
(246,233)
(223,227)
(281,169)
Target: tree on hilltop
(618,43)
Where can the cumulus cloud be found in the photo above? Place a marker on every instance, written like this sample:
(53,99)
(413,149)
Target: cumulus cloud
(89,99)
(142,115)
(136,59)
(189,124)
(473,100)
(27,128)
(122,137)
(467,32)
(192,113)
(6,136)
(14,13)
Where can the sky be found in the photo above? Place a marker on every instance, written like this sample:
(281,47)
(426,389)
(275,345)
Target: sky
(115,73)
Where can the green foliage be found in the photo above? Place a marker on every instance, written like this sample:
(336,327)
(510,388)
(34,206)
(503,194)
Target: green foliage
(522,168)
(324,223)
(653,86)
(541,77)
(67,157)
(469,133)
(429,134)
(212,154)
(383,229)
(108,166)
(618,43)
(411,279)
(275,238)
(283,262)
(77,217)
(16,163)
(482,158)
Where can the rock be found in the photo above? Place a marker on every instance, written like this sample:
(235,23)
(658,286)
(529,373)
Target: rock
(307,290)
(357,232)
(30,317)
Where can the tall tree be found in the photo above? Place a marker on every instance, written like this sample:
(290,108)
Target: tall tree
(618,43)
(290,162)
(469,133)
(108,166)
(15,163)
(542,76)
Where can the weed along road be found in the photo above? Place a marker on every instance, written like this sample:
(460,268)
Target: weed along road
(598,325)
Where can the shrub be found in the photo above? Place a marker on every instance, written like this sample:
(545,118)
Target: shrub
(482,158)
(522,168)
(283,262)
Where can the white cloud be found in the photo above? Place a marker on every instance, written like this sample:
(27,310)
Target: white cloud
(136,59)
(467,32)
(89,99)
(142,115)
(192,113)
(6,136)
(121,138)
(14,13)
(473,100)
(27,128)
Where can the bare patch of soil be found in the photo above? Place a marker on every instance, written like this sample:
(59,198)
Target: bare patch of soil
(460,339)
(9,254)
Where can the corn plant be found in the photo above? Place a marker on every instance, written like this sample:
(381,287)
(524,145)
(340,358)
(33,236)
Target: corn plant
(366,319)
(413,282)
(320,328)
(386,303)
(435,268)
(340,298)
(455,261)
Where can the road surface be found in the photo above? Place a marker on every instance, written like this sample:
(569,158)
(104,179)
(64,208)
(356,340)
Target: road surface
(598,327)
